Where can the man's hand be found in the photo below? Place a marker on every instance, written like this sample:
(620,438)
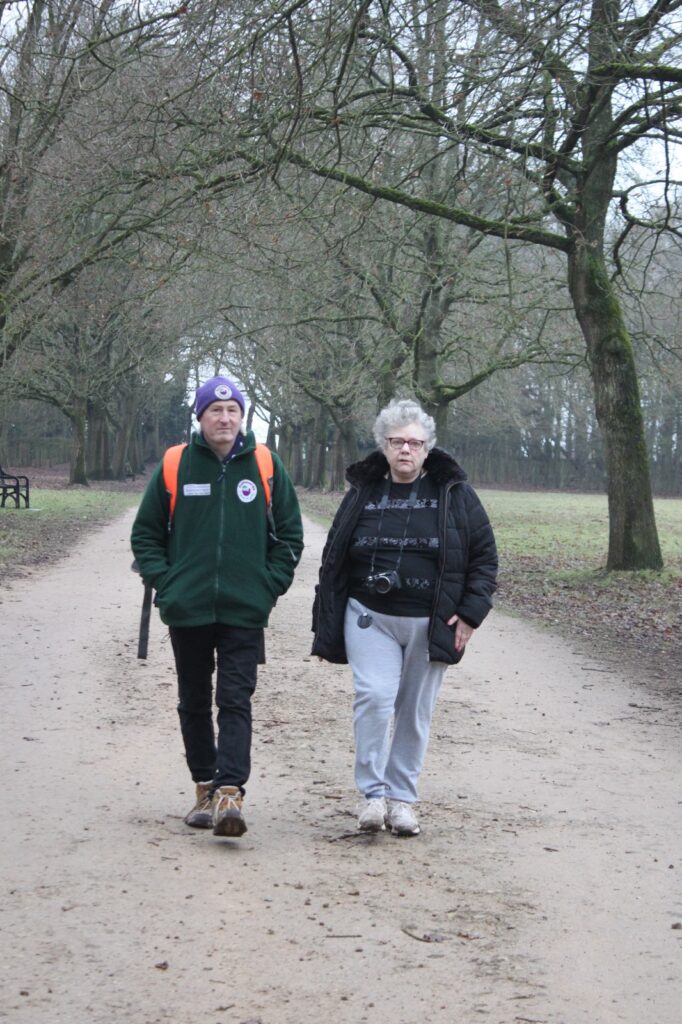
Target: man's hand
(463,632)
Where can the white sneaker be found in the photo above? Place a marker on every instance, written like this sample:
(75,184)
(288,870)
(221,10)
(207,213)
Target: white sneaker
(401,818)
(373,815)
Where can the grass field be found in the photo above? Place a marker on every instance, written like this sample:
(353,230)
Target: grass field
(552,548)
(559,526)
(54,523)
(556,527)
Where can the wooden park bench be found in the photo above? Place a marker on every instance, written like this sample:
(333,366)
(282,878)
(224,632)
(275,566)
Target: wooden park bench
(16,487)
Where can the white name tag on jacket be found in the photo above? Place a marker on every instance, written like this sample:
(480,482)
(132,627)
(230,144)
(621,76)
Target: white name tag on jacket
(196,490)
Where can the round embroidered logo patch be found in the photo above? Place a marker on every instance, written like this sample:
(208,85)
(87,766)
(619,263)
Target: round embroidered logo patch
(246,490)
(223,392)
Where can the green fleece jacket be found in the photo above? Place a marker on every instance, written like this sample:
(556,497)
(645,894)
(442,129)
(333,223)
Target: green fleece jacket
(216,562)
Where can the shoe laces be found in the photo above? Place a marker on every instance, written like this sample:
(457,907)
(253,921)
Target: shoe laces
(229,801)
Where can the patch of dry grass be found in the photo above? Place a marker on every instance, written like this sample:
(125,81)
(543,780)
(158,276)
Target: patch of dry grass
(58,517)
(552,548)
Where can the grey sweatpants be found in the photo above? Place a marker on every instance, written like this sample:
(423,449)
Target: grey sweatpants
(393,679)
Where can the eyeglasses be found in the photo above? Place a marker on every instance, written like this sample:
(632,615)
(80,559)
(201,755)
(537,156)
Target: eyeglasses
(397,443)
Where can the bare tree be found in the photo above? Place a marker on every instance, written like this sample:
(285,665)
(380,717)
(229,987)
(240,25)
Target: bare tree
(60,79)
(557,94)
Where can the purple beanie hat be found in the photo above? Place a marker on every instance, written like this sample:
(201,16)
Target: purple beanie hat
(217,389)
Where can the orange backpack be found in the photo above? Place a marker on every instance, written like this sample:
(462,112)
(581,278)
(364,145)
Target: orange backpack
(171,465)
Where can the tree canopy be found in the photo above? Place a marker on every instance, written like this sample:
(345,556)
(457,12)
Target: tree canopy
(348,201)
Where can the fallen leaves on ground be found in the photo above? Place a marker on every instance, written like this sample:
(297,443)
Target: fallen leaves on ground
(639,614)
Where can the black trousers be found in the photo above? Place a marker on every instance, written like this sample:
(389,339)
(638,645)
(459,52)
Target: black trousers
(236,651)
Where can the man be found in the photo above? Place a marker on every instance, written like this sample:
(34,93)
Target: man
(218,562)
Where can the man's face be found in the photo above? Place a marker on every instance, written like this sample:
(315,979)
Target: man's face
(220,423)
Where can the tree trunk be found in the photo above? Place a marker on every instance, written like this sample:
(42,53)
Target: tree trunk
(319,476)
(439,411)
(123,462)
(427,376)
(349,446)
(98,445)
(78,474)
(319,440)
(284,449)
(339,463)
(313,432)
(296,455)
(633,539)
(150,441)
(135,457)
(271,439)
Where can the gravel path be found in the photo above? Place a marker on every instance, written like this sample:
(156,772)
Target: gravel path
(545,886)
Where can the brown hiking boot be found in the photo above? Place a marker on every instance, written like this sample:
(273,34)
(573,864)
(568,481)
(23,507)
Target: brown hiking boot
(227,812)
(201,815)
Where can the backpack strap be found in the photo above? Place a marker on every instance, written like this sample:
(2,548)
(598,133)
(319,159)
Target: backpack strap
(266,470)
(171,466)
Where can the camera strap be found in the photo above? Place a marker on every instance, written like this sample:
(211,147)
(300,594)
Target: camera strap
(383,505)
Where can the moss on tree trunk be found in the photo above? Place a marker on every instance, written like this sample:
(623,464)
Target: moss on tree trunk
(633,538)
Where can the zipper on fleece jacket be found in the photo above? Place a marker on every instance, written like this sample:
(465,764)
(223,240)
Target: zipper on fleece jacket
(221,522)
(219,545)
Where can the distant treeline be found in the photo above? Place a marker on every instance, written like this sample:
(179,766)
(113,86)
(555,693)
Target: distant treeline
(526,431)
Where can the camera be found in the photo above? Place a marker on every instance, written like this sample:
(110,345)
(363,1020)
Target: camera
(383,582)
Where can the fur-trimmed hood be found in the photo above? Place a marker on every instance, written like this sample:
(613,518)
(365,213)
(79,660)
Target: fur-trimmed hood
(439,464)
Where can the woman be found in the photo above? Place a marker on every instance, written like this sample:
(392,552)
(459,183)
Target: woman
(407,575)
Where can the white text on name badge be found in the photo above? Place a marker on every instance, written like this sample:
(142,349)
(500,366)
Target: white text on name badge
(196,490)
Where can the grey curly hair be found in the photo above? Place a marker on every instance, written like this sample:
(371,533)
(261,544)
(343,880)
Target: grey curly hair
(399,413)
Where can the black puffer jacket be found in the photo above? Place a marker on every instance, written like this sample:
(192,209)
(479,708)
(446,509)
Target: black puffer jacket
(467,564)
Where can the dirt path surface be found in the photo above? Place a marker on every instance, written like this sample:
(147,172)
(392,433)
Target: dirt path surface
(545,886)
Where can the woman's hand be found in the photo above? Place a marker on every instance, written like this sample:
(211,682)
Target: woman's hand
(463,632)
